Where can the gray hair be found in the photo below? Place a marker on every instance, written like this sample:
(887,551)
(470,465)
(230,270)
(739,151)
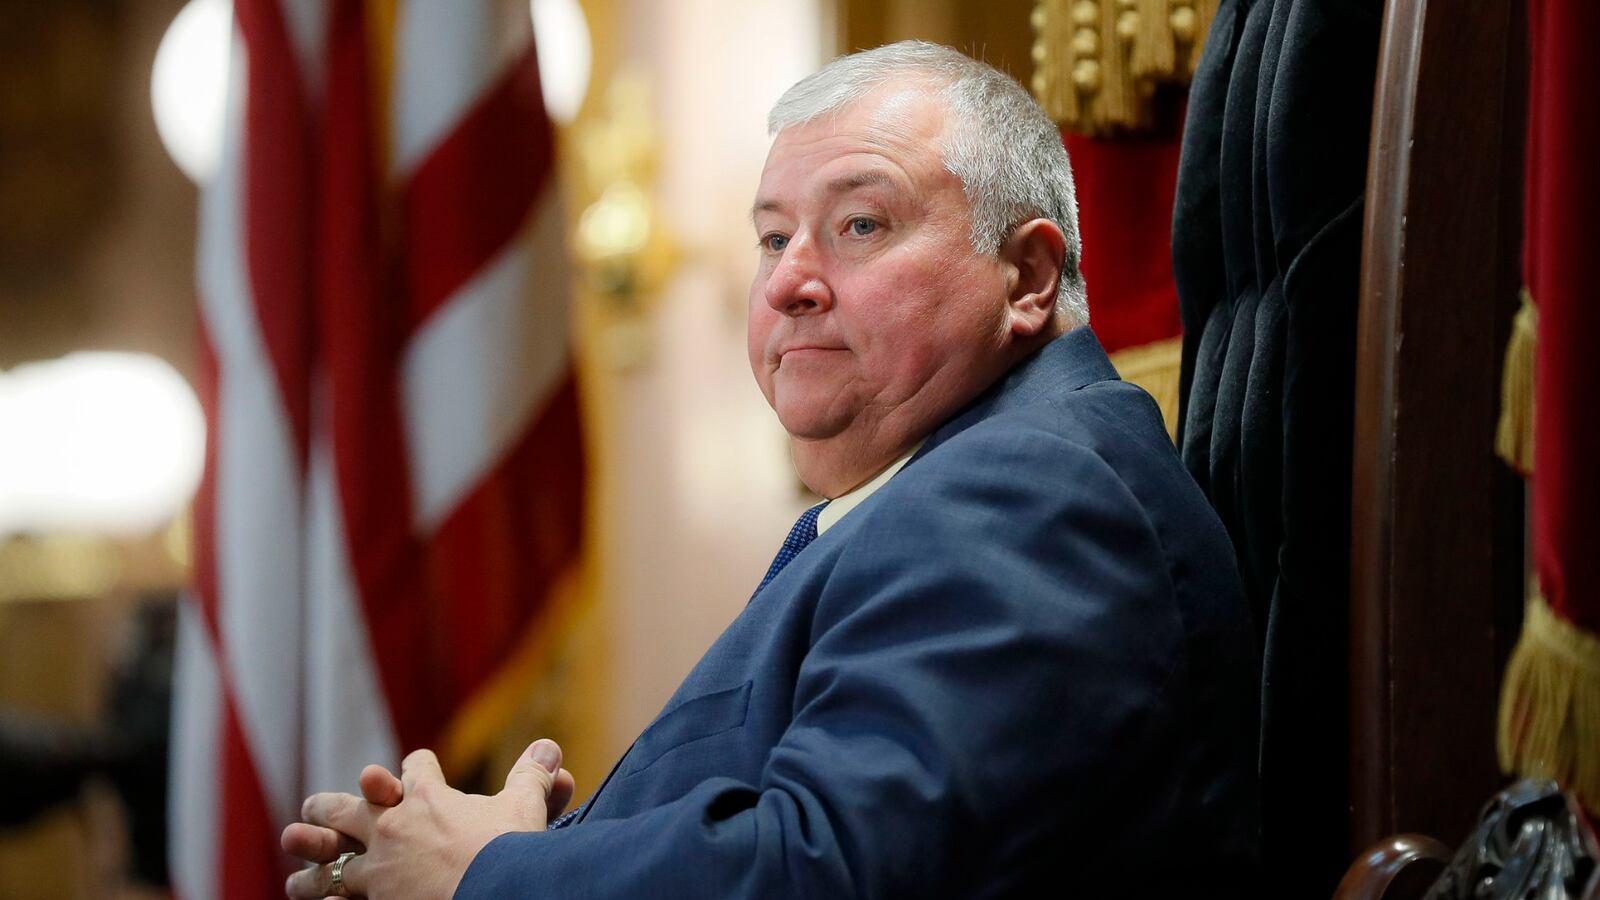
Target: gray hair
(1006,151)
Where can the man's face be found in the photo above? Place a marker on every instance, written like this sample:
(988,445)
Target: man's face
(872,318)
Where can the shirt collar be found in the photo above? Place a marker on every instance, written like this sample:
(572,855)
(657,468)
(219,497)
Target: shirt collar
(839,506)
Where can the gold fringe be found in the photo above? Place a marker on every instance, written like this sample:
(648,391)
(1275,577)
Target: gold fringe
(1550,704)
(1151,52)
(1154,367)
(1097,62)
(1513,437)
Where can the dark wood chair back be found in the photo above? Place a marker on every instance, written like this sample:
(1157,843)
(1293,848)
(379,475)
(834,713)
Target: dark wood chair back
(1436,526)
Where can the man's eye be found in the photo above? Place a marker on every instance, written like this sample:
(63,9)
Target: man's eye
(862,227)
(775,242)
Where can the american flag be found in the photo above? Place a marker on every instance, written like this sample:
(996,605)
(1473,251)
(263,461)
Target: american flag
(394,476)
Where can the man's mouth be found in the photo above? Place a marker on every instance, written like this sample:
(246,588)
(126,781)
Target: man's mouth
(806,356)
(805,349)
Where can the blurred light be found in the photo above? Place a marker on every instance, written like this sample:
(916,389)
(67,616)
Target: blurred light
(615,225)
(564,56)
(97,442)
(189,85)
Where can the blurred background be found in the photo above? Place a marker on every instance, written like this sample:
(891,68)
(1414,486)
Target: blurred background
(113,115)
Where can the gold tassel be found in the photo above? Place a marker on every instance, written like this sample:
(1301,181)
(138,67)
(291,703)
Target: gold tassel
(1550,704)
(1080,65)
(1097,62)
(1154,367)
(1142,25)
(1513,437)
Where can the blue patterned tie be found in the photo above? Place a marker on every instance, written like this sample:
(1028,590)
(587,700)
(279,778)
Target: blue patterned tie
(801,535)
(565,820)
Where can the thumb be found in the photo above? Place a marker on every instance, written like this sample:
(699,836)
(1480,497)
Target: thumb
(534,772)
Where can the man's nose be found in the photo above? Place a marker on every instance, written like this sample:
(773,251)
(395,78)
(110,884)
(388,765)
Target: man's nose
(796,286)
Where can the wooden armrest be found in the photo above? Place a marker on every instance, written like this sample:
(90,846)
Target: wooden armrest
(1396,868)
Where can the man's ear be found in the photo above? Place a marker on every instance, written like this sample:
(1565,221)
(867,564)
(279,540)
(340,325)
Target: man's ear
(1033,255)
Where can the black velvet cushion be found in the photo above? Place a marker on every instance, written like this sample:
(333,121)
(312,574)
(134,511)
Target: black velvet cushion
(1266,253)
(1197,231)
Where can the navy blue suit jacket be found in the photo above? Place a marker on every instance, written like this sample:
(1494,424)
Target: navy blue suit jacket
(1023,666)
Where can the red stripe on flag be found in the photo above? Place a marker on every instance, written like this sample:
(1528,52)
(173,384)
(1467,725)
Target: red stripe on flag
(471,195)
(250,861)
(277,175)
(500,552)
(362,338)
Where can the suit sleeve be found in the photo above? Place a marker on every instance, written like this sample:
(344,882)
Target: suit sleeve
(987,665)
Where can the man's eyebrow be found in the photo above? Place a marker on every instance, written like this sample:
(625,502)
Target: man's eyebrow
(844,184)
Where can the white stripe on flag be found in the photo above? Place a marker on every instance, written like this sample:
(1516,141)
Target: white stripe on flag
(197,791)
(347,720)
(445,56)
(258,496)
(484,364)
(306,22)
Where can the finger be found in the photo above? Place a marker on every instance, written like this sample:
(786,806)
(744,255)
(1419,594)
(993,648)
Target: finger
(354,875)
(312,883)
(419,766)
(529,782)
(535,769)
(313,843)
(341,812)
(316,882)
(306,884)
(560,794)
(380,786)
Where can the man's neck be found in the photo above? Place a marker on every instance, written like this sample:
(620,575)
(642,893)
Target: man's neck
(840,465)
(838,507)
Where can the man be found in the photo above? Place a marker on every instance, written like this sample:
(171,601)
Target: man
(1016,660)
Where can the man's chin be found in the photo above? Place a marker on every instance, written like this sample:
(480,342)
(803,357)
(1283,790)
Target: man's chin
(806,426)
(810,431)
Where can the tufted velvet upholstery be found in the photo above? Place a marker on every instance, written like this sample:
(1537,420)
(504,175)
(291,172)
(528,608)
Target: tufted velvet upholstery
(1266,254)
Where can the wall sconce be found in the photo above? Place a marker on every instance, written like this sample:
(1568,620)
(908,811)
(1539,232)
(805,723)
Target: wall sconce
(621,248)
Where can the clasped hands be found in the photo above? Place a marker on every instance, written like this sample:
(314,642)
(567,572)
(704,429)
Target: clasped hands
(416,835)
